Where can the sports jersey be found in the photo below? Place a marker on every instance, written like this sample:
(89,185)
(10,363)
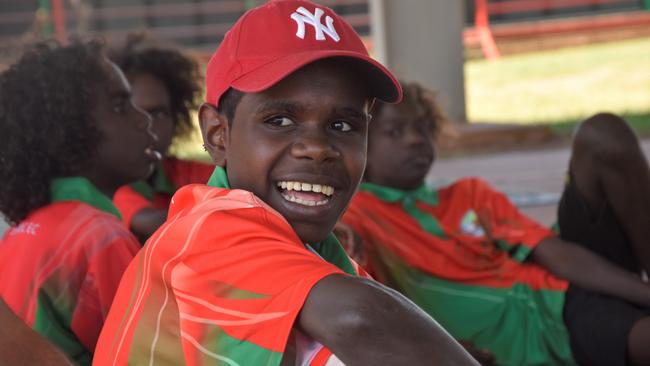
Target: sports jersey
(220,283)
(460,254)
(170,175)
(61,265)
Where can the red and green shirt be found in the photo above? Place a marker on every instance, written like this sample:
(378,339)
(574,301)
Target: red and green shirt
(60,267)
(460,254)
(220,283)
(170,175)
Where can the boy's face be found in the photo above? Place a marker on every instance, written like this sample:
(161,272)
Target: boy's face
(400,152)
(125,153)
(151,94)
(301,145)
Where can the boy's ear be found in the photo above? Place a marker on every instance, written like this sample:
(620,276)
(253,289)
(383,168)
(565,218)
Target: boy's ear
(214,129)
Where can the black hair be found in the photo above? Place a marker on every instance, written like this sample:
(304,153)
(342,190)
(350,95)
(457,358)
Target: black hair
(179,72)
(423,100)
(46,104)
(228,103)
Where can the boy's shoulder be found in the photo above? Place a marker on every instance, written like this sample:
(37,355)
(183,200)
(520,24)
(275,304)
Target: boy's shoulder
(80,226)
(196,198)
(66,217)
(222,214)
(466,188)
(468,183)
(184,171)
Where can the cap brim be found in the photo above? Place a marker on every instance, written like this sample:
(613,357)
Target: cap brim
(382,84)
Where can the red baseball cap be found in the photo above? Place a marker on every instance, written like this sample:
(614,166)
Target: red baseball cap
(273,40)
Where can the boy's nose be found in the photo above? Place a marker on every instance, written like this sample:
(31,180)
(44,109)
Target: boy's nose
(315,146)
(146,122)
(414,137)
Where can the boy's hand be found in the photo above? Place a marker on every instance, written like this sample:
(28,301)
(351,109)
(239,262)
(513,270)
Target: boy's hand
(483,356)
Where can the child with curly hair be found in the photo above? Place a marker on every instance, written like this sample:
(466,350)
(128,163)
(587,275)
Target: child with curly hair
(71,137)
(166,83)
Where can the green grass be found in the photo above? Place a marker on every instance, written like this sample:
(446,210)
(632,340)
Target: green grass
(558,87)
(639,122)
(561,87)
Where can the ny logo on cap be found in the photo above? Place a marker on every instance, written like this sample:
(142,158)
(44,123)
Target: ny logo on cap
(302,16)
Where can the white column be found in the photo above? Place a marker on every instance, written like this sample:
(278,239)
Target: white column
(421,40)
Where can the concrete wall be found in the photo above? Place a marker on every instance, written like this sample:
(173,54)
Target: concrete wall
(421,40)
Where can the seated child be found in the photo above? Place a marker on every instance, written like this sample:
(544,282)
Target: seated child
(464,253)
(246,271)
(71,138)
(167,84)
(604,207)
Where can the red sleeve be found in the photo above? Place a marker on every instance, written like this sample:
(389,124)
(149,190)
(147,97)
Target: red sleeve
(230,267)
(509,229)
(108,259)
(129,202)
(262,257)
(184,172)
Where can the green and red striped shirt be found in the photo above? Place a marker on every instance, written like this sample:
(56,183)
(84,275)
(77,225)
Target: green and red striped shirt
(220,283)
(460,254)
(60,267)
(170,175)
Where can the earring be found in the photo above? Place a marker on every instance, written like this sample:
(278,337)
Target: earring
(205,148)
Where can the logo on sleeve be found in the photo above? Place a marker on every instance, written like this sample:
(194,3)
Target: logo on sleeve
(29,228)
(469,225)
(302,16)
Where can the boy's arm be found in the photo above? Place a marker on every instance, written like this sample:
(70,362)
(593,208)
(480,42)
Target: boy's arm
(146,221)
(589,270)
(19,345)
(365,323)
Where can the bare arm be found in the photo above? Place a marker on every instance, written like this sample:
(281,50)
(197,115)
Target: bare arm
(146,221)
(365,323)
(589,270)
(20,345)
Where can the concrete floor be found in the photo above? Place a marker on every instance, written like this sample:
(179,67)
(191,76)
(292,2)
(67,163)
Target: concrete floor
(533,179)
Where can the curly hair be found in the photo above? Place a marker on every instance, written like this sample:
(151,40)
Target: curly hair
(425,101)
(46,104)
(178,72)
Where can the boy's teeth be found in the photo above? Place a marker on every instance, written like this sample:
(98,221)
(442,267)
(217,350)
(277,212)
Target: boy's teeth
(306,187)
(304,202)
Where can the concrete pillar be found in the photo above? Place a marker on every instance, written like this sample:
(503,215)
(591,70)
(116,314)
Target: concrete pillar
(421,40)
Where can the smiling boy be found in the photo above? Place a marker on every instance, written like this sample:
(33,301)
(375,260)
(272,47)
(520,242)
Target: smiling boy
(252,275)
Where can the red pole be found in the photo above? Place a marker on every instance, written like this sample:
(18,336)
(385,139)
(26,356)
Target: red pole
(482,24)
(58,15)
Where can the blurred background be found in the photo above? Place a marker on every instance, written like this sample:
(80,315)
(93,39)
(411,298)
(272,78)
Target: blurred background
(516,76)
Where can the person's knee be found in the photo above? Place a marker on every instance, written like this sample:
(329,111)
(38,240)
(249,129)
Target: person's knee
(638,340)
(606,137)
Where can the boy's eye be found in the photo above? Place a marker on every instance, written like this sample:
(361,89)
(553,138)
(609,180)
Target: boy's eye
(341,126)
(119,108)
(159,114)
(394,132)
(120,104)
(280,121)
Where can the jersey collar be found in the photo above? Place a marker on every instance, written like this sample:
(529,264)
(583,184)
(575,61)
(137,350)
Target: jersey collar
(329,249)
(387,194)
(81,189)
